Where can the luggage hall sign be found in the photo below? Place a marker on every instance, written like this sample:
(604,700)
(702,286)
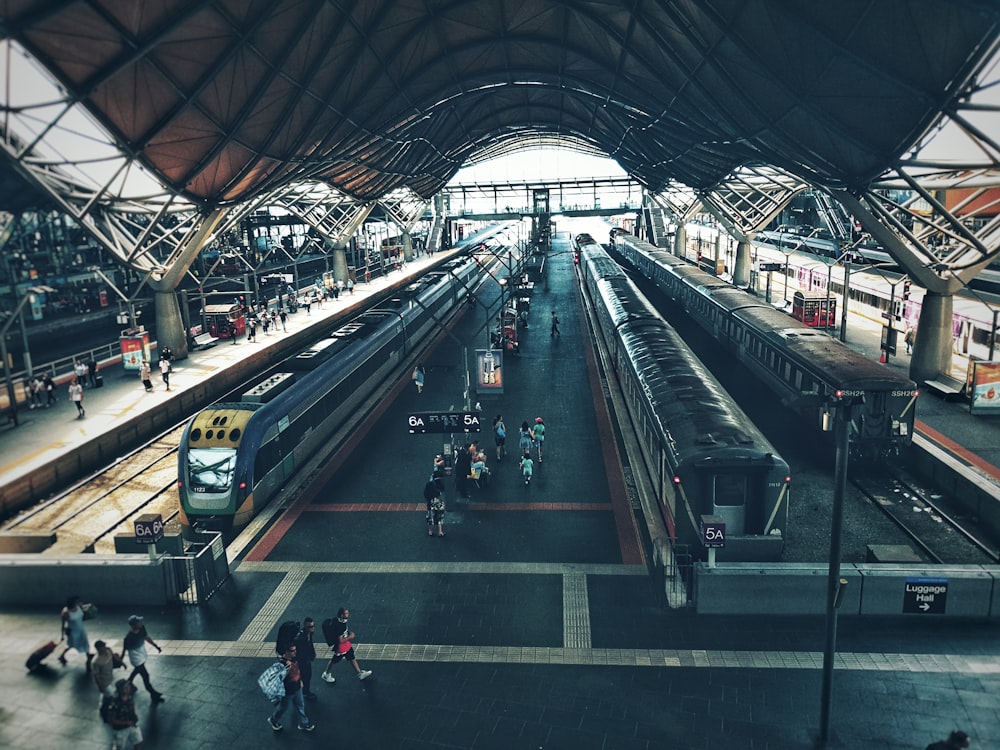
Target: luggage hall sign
(925,596)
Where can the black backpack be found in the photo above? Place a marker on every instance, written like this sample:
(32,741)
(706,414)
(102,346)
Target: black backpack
(331,631)
(287,634)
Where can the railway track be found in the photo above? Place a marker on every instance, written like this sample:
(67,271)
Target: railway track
(939,534)
(86,517)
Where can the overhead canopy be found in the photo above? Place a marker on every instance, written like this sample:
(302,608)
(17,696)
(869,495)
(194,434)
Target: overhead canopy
(225,100)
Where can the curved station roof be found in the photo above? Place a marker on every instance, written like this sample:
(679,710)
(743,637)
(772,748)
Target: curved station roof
(227,99)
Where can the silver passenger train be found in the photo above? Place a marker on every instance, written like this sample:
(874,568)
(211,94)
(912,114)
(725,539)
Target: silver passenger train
(704,454)
(810,371)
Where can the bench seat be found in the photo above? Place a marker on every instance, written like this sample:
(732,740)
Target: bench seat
(205,340)
(945,386)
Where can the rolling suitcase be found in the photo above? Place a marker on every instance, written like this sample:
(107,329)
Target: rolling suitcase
(98,381)
(38,655)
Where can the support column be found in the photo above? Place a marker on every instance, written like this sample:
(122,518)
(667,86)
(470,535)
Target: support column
(680,240)
(169,324)
(407,247)
(741,270)
(933,343)
(340,263)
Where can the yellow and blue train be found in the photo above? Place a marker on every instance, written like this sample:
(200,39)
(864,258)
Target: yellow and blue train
(236,456)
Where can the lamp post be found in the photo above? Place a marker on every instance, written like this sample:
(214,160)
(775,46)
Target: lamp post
(829,279)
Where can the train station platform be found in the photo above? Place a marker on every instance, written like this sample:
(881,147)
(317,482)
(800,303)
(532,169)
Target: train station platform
(531,624)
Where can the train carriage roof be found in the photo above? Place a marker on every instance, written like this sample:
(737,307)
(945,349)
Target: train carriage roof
(693,409)
(840,366)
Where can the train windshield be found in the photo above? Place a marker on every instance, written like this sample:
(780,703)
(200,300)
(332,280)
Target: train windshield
(211,469)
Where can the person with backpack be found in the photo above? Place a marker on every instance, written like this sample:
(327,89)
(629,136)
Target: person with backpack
(500,436)
(293,694)
(306,654)
(338,636)
(119,713)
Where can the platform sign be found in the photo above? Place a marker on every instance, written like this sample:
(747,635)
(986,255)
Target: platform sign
(925,596)
(489,370)
(423,422)
(148,528)
(985,388)
(135,348)
(713,532)
(768,267)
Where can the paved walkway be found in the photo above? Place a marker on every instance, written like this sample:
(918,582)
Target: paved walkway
(531,625)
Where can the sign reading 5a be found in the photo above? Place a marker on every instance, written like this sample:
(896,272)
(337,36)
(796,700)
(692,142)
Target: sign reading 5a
(420,423)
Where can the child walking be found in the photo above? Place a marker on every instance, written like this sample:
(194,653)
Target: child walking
(527,465)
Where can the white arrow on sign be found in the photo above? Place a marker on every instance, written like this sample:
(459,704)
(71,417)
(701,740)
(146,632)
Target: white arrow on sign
(924,606)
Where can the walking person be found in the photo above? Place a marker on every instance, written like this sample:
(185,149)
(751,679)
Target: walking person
(76,396)
(165,368)
(418,377)
(293,694)
(252,328)
(92,372)
(539,435)
(73,630)
(80,371)
(500,436)
(50,390)
(525,438)
(343,648)
(284,320)
(908,340)
(554,330)
(305,654)
(527,467)
(102,669)
(146,376)
(135,644)
(122,717)
(350,285)
(35,389)
(463,467)
(435,508)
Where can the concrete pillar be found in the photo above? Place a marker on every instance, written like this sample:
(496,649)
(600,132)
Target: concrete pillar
(933,342)
(339,263)
(407,247)
(718,248)
(169,324)
(741,271)
(680,240)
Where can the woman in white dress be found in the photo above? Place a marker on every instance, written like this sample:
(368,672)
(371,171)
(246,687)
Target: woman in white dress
(73,630)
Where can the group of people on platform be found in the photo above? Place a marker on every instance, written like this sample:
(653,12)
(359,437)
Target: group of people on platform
(470,468)
(116,705)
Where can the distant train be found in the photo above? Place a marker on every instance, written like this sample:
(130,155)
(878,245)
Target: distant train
(809,370)
(704,454)
(235,457)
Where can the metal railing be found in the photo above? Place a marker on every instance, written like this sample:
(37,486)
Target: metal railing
(192,578)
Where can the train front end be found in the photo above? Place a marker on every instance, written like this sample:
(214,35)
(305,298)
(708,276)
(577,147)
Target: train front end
(214,477)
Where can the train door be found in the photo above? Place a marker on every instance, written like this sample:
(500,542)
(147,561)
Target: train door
(729,501)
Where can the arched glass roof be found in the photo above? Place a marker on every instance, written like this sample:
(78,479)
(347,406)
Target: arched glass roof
(225,100)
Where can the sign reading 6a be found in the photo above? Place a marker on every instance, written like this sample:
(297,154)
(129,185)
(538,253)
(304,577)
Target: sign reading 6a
(423,422)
